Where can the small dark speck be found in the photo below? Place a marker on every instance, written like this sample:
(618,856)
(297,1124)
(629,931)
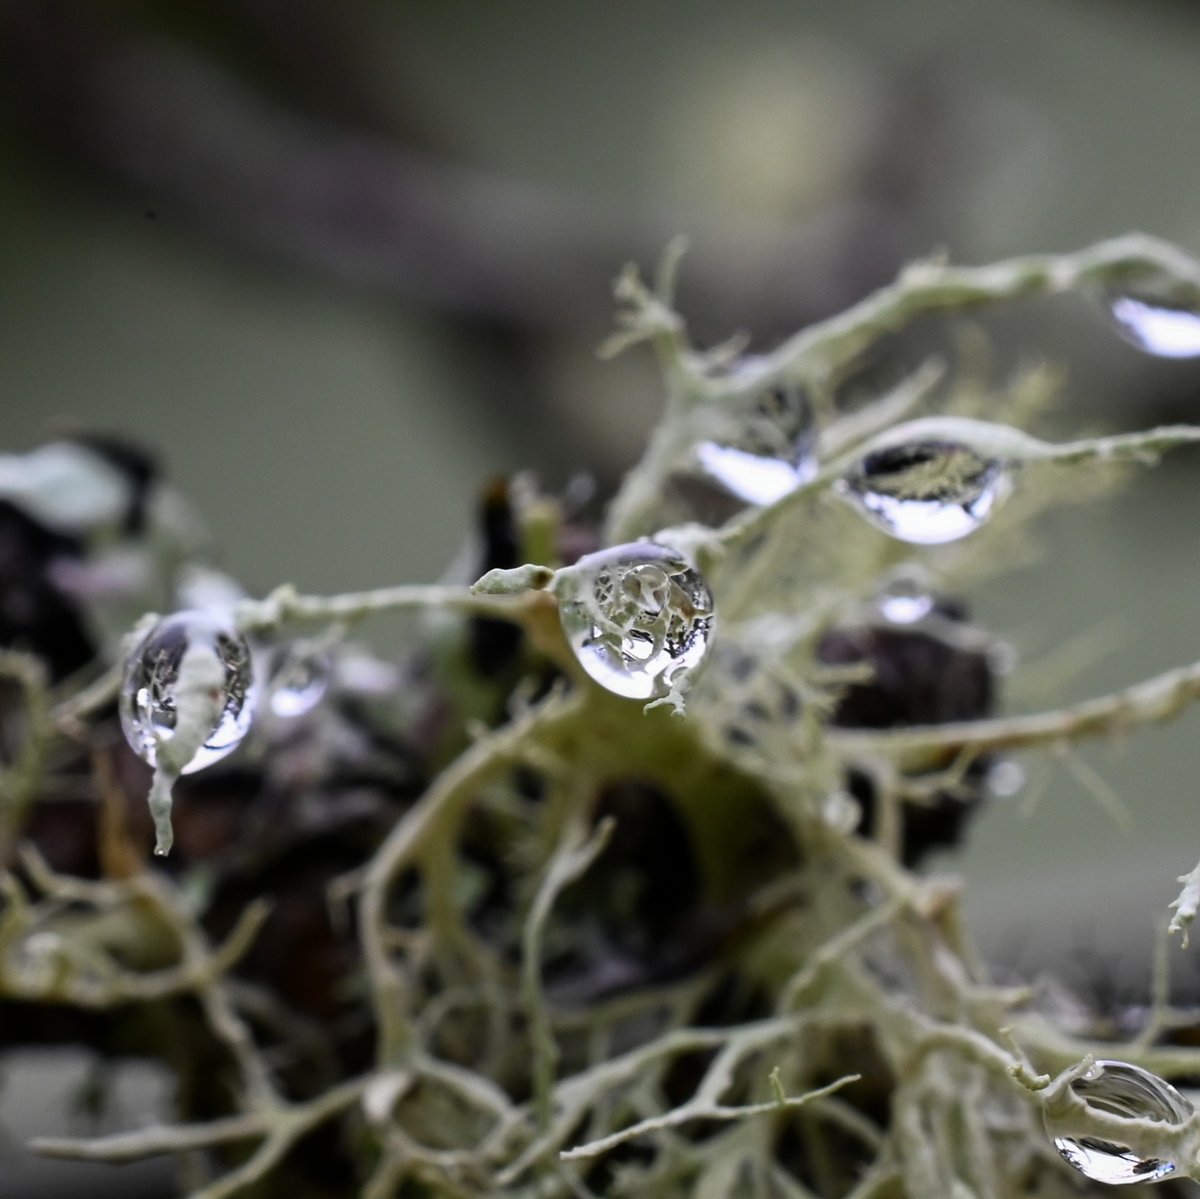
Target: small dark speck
(150,214)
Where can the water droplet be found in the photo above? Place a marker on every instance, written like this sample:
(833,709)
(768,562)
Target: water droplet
(926,492)
(1165,329)
(1005,778)
(638,618)
(147,703)
(766,447)
(841,811)
(1121,1089)
(905,598)
(299,681)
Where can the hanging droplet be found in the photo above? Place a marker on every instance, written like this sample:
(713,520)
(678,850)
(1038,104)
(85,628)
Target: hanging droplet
(147,703)
(765,448)
(926,492)
(1165,329)
(299,680)
(1121,1089)
(638,618)
(1005,778)
(905,598)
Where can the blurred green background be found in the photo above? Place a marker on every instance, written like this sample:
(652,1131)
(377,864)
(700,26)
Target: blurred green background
(342,261)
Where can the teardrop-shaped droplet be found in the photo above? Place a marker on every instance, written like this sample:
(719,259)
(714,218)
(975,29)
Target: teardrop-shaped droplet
(147,702)
(767,450)
(766,446)
(1121,1089)
(299,680)
(638,618)
(926,492)
(1167,330)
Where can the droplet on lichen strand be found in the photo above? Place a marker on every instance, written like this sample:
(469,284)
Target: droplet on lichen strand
(926,492)
(905,598)
(638,618)
(1120,1089)
(766,446)
(149,689)
(299,680)
(1164,329)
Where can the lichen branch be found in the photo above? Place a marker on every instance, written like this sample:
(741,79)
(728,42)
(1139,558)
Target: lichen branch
(571,859)
(1153,701)
(1186,905)
(703,1111)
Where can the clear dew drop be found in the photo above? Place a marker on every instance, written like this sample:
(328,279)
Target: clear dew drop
(639,618)
(905,598)
(1005,779)
(147,701)
(299,680)
(1121,1089)
(1167,330)
(926,492)
(769,446)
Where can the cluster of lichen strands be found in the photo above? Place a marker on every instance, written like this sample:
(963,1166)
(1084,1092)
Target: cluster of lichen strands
(606,886)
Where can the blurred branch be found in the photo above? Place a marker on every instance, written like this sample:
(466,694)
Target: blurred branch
(166,118)
(1153,701)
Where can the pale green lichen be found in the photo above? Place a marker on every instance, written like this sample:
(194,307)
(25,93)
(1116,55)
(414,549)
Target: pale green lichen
(859,966)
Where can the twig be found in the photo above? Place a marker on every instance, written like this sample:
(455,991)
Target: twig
(156,1140)
(285,606)
(701,1111)
(989,440)
(1152,701)
(455,786)
(826,348)
(570,860)
(200,970)
(280,1127)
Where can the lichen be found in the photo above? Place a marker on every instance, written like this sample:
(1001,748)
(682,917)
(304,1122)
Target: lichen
(574,944)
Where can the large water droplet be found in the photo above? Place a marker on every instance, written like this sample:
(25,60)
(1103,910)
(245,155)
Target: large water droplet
(638,618)
(926,492)
(1122,1090)
(1168,330)
(147,703)
(766,446)
(298,682)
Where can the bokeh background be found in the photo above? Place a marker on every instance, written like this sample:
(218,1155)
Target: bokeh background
(343,261)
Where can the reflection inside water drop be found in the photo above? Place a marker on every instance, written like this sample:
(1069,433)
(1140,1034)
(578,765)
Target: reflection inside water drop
(148,690)
(299,680)
(754,478)
(905,598)
(926,492)
(1121,1089)
(637,617)
(1165,330)
(766,446)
